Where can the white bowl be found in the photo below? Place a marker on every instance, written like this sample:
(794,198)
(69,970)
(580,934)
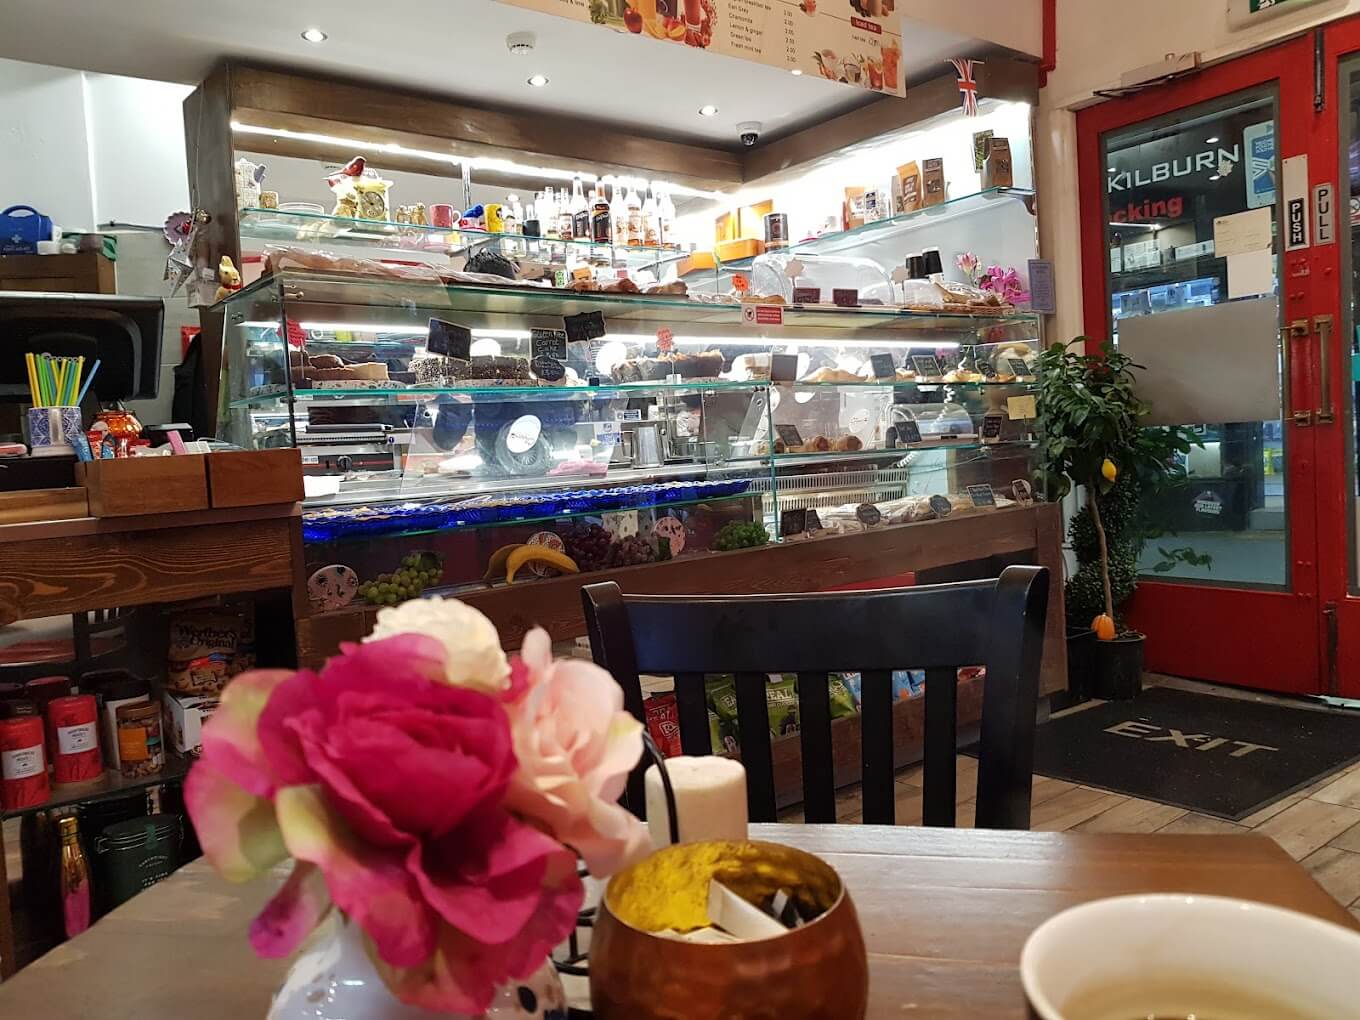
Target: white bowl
(1156,941)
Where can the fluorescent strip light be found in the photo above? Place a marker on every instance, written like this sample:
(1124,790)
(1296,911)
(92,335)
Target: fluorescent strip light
(489,164)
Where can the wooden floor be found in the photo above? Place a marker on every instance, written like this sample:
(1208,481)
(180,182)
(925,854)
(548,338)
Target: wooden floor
(1319,826)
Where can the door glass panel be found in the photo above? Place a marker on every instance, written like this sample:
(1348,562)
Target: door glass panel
(1348,333)
(1167,181)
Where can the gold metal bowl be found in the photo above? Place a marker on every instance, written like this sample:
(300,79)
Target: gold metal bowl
(816,972)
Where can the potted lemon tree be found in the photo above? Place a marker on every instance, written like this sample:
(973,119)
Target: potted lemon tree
(1092,435)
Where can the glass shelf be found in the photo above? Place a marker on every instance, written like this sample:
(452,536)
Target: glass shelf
(359,300)
(916,384)
(929,446)
(308,228)
(531,394)
(110,786)
(931,216)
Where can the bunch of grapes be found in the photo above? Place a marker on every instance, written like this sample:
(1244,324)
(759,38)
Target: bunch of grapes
(630,551)
(739,535)
(417,572)
(587,544)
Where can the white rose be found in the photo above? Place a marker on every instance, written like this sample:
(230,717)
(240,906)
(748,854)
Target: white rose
(472,647)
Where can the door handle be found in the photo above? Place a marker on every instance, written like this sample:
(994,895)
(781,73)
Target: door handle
(1294,331)
(1322,326)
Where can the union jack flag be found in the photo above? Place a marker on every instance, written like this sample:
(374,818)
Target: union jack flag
(967,85)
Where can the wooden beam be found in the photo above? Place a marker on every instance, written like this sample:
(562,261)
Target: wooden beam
(276,99)
(999,78)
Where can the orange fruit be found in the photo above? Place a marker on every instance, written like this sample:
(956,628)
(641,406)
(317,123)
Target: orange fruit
(1109,470)
(1104,627)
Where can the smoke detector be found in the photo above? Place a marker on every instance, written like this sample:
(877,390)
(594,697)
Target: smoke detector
(520,43)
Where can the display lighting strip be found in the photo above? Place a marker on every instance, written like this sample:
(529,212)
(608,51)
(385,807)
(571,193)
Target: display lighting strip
(485,163)
(630,338)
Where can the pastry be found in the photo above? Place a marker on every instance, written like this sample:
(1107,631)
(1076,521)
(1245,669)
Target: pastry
(429,368)
(749,298)
(828,374)
(817,444)
(325,361)
(677,288)
(847,444)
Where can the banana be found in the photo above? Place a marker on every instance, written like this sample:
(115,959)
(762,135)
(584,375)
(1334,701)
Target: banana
(496,566)
(540,554)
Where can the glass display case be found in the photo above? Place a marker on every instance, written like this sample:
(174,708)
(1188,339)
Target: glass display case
(460,435)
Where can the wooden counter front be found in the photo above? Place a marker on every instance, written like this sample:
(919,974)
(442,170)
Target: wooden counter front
(986,540)
(50,568)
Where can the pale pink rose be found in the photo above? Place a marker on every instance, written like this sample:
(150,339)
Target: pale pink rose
(575,745)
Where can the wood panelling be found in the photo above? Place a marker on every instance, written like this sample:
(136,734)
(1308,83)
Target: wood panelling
(382,114)
(45,572)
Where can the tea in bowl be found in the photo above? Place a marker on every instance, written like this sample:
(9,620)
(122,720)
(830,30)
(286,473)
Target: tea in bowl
(1184,957)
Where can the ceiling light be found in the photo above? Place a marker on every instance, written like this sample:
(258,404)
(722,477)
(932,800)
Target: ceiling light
(708,111)
(314,35)
(1114,170)
(1215,177)
(797,71)
(1211,141)
(538,80)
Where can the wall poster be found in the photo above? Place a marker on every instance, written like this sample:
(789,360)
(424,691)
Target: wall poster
(857,42)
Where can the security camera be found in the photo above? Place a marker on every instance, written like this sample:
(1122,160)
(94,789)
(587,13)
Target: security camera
(749,132)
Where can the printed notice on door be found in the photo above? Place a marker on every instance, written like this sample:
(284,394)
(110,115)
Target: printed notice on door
(854,42)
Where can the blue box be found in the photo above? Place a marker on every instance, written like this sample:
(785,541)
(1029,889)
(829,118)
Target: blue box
(20,234)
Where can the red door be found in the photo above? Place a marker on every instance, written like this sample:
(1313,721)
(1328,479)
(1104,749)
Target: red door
(1191,262)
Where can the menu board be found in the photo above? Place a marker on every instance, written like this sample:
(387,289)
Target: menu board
(856,42)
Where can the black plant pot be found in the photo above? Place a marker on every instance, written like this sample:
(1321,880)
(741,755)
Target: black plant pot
(1081,663)
(1119,668)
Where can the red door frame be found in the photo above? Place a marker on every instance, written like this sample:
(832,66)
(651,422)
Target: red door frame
(1264,639)
(1339,627)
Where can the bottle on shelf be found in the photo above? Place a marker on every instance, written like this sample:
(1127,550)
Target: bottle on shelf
(512,216)
(547,214)
(75,878)
(565,218)
(634,206)
(580,211)
(665,209)
(618,215)
(601,219)
(651,227)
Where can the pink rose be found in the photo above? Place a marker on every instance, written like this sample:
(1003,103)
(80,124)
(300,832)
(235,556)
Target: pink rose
(576,745)
(390,785)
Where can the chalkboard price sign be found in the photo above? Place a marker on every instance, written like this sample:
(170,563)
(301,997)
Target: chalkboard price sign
(908,432)
(449,339)
(927,366)
(981,495)
(991,428)
(868,514)
(585,326)
(790,436)
(883,366)
(792,522)
(548,343)
(783,367)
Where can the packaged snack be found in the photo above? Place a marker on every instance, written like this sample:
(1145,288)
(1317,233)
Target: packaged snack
(203,650)
(781,701)
(140,750)
(908,683)
(715,737)
(907,188)
(843,704)
(663,723)
(996,172)
(933,189)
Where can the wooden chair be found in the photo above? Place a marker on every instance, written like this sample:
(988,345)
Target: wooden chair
(997,623)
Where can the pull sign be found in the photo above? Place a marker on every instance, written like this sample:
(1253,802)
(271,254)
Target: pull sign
(1296,203)
(1324,214)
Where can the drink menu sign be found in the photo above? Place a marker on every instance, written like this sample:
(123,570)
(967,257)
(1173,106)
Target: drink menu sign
(857,42)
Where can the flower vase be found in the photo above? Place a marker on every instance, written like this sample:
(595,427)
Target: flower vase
(334,979)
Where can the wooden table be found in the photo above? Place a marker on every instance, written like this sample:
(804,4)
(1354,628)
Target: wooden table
(944,912)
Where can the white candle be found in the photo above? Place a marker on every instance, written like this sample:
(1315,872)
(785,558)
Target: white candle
(710,800)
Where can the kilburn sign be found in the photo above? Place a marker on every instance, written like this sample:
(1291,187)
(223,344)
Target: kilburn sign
(1210,162)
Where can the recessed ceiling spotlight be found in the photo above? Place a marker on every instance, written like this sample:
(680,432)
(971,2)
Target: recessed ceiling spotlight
(708,111)
(538,80)
(315,35)
(797,71)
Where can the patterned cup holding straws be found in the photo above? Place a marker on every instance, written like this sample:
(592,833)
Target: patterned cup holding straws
(53,431)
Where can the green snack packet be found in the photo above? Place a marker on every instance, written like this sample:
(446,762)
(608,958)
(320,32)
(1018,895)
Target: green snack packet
(715,736)
(842,701)
(723,701)
(781,702)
